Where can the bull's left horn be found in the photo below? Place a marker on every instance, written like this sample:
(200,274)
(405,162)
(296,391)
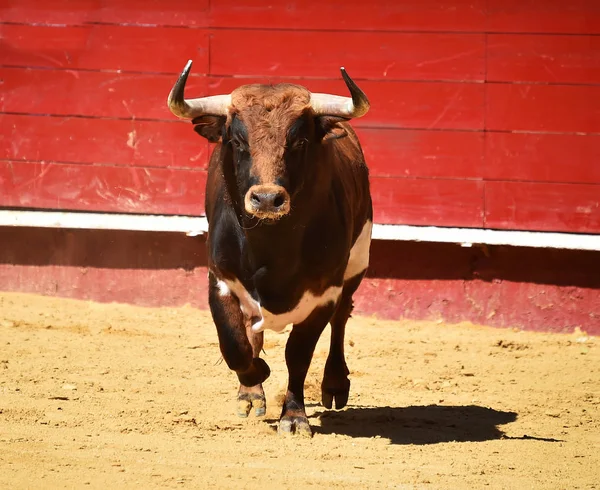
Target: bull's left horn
(216,105)
(334,105)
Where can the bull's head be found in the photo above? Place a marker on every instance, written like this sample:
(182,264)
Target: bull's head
(271,135)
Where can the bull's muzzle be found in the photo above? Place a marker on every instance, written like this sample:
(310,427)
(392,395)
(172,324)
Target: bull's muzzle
(267,201)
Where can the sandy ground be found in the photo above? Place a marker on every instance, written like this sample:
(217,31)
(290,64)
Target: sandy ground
(97,396)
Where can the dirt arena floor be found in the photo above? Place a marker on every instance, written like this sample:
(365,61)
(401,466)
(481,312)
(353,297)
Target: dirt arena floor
(98,396)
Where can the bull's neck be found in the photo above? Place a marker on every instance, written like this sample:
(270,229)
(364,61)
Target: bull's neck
(274,245)
(278,246)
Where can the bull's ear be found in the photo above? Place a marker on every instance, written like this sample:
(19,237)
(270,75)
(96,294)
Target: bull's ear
(209,127)
(328,128)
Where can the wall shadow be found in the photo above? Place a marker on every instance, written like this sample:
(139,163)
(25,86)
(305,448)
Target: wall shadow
(447,261)
(389,259)
(431,424)
(105,249)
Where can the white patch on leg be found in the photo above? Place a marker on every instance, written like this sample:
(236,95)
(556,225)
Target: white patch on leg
(263,319)
(359,255)
(223,288)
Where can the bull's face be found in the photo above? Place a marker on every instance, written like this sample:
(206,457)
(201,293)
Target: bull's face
(273,145)
(261,166)
(270,136)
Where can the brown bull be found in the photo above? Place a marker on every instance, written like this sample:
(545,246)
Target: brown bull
(290,218)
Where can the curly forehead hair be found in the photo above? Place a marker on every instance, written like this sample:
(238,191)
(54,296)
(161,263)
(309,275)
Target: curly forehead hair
(285,97)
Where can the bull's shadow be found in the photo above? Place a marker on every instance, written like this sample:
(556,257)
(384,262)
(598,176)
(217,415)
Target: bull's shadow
(430,424)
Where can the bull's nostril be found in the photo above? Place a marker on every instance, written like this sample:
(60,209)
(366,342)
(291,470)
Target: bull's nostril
(278,202)
(254,199)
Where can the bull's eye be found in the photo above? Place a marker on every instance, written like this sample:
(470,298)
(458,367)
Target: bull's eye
(240,147)
(299,145)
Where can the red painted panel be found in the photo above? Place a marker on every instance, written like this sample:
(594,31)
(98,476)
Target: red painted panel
(555,59)
(375,55)
(395,104)
(544,16)
(104,47)
(102,188)
(544,207)
(406,153)
(427,201)
(61,92)
(90,93)
(543,157)
(102,141)
(400,15)
(553,108)
(141,12)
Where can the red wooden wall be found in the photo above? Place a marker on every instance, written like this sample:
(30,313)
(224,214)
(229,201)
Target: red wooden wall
(485,113)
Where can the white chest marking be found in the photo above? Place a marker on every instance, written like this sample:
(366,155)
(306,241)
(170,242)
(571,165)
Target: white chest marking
(359,255)
(263,319)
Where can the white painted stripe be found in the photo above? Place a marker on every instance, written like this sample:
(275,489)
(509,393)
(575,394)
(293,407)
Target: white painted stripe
(193,226)
(470,236)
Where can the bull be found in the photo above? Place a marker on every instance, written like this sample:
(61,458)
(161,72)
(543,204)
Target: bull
(290,217)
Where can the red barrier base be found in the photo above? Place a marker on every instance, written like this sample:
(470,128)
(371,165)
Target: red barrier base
(534,289)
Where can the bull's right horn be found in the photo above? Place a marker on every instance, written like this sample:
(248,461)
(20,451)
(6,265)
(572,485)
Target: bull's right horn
(348,107)
(216,105)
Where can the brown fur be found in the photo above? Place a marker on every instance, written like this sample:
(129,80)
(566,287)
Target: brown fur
(268,112)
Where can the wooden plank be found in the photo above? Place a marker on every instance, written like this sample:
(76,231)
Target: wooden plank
(192,13)
(542,58)
(420,105)
(552,108)
(400,15)
(435,202)
(542,157)
(90,93)
(374,55)
(409,153)
(61,92)
(544,207)
(168,191)
(104,47)
(162,144)
(544,16)
(102,188)
(102,141)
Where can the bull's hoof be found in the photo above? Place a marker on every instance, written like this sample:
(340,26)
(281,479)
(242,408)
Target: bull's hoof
(294,425)
(251,398)
(337,392)
(245,406)
(327,399)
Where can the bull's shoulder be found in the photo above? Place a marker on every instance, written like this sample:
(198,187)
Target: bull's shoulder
(350,186)
(225,239)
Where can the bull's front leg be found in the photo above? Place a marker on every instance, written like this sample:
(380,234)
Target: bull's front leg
(250,397)
(240,352)
(298,355)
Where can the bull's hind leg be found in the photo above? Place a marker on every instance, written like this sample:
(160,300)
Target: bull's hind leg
(252,397)
(298,355)
(336,385)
